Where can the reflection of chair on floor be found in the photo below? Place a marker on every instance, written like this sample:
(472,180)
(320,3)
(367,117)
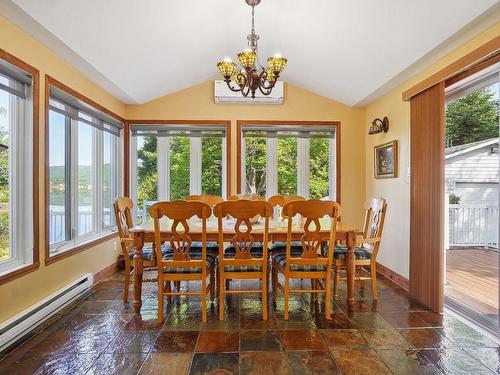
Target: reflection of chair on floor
(309,264)
(123,215)
(242,260)
(179,264)
(367,247)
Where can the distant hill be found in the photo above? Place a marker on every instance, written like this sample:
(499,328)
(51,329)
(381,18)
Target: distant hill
(56,173)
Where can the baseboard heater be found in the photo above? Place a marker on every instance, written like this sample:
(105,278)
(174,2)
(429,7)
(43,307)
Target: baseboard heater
(20,325)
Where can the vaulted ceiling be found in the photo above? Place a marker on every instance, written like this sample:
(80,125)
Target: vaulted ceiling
(345,50)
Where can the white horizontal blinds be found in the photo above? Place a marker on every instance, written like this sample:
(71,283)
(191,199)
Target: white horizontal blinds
(283,131)
(14,80)
(178,130)
(78,110)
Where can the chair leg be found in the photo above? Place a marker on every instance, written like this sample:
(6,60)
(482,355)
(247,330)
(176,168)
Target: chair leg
(126,285)
(373,274)
(336,280)
(221,298)
(264,296)
(286,298)
(204,299)
(328,299)
(274,276)
(212,285)
(160,300)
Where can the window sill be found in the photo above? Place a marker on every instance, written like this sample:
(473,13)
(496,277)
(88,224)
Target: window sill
(77,249)
(18,272)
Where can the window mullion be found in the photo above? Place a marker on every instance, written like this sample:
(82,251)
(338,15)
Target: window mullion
(99,185)
(243,180)
(332,168)
(303,167)
(72,172)
(271,166)
(195,165)
(133,175)
(163,164)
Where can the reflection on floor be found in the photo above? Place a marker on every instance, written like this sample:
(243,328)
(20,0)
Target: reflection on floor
(101,335)
(472,279)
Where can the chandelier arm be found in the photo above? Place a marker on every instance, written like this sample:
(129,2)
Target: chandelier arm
(247,91)
(265,90)
(262,80)
(228,82)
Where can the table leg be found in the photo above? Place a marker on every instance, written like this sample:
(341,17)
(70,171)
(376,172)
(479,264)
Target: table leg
(138,270)
(350,266)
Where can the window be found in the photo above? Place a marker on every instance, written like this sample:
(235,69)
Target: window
(16,168)
(289,160)
(83,173)
(174,161)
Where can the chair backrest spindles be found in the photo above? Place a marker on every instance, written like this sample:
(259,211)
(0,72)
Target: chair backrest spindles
(312,211)
(211,200)
(375,210)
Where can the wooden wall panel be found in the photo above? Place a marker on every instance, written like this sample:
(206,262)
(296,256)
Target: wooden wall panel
(427,197)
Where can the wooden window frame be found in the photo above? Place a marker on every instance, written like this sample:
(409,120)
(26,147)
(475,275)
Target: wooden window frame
(240,124)
(35,264)
(50,81)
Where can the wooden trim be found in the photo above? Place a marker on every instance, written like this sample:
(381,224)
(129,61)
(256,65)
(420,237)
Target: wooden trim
(51,81)
(242,123)
(78,249)
(465,62)
(19,272)
(395,277)
(6,56)
(473,69)
(126,159)
(427,197)
(106,272)
(226,123)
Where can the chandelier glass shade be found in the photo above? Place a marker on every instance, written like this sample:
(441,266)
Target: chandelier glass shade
(252,76)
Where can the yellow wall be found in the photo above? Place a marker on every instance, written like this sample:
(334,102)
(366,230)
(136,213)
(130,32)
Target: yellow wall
(23,292)
(394,251)
(197,103)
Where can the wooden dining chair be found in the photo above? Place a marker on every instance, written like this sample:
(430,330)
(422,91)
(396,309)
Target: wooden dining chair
(180,264)
(211,200)
(367,247)
(123,215)
(310,264)
(245,261)
(282,200)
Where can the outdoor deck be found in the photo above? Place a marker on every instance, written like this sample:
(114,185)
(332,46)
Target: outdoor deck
(472,279)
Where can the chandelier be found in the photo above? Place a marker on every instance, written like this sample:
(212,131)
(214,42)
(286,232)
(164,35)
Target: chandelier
(252,76)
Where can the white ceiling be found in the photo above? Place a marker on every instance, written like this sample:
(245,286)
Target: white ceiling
(342,49)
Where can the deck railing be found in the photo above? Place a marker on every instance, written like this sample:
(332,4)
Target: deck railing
(57,222)
(472,226)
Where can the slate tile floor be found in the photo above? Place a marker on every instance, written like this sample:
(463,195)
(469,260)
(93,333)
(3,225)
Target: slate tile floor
(101,335)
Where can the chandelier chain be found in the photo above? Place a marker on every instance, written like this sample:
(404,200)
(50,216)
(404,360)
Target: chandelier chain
(253,19)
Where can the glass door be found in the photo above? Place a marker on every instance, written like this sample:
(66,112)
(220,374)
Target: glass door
(472,197)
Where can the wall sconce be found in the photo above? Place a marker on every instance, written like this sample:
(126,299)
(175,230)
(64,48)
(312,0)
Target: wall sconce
(379,126)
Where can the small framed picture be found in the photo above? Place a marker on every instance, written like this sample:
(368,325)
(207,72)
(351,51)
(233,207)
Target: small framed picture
(386,160)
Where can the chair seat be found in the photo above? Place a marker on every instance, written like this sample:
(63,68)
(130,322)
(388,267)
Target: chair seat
(196,246)
(147,252)
(280,247)
(210,262)
(359,253)
(281,260)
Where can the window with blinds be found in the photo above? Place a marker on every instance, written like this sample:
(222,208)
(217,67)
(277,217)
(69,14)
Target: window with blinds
(16,167)
(173,161)
(84,170)
(289,160)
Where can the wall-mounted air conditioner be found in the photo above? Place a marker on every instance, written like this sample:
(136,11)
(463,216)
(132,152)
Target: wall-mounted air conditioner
(222,94)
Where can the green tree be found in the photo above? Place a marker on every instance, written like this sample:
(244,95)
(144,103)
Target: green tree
(287,166)
(147,171)
(471,118)
(211,165)
(255,160)
(318,164)
(179,168)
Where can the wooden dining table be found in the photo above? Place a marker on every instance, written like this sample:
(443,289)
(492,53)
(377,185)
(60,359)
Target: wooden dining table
(143,234)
